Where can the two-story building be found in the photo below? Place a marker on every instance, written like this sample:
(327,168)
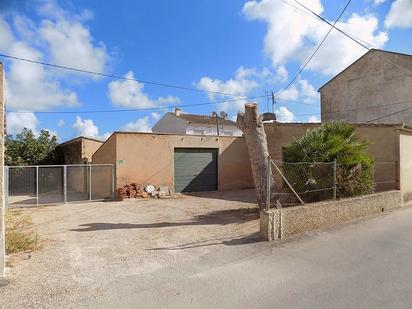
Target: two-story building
(180,123)
(376,88)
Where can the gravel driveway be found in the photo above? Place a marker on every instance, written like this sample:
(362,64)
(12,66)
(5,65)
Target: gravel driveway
(87,247)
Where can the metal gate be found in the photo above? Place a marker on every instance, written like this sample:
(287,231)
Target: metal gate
(195,169)
(58,184)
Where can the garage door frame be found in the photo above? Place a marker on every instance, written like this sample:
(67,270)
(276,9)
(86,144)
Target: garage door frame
(215,149)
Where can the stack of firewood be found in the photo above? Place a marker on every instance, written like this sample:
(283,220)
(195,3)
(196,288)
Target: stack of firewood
(132,190)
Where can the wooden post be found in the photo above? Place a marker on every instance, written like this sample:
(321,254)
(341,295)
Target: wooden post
(251,124)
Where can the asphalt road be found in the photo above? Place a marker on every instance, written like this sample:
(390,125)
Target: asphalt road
(366,264)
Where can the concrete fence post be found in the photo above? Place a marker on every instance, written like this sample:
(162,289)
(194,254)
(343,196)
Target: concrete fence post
(268,182)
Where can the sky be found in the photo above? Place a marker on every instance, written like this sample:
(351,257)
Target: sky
(238,48)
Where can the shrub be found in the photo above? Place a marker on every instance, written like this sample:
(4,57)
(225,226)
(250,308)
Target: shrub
(18,236)
(334,141)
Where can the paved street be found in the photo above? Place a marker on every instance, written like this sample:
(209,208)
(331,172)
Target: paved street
(361,265)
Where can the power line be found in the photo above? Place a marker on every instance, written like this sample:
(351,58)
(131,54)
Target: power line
(350,36)
(136,109)
(316,50)
(389,115)
(356,109)
(84,71)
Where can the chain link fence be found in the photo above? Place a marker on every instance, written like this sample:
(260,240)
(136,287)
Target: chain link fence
(299,183)
(58,184)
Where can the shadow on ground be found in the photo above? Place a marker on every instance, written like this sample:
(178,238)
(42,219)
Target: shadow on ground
(227,241)
(220,217)
(245,196)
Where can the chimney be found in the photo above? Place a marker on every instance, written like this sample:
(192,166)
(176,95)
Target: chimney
(178,111)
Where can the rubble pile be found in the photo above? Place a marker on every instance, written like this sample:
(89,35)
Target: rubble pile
(134,190)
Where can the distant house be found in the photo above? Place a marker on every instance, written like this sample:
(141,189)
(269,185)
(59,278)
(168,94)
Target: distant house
(376,88)
(79,150)
(180,123)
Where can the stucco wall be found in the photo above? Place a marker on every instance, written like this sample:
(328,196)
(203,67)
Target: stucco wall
(89,147)
(148,158)
(2,208)
(79,150)
(107,152)
(405,153)
(72,152)
(370,82)
(383,139)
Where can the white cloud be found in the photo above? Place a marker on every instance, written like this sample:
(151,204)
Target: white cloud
(16,122)
(292,93)
(140,125)
(307,92)
(378,2)
(85,127)
(293,35)
(400,14)
(244,82)
(156,116)
(29,86)
(281,73)
(71,44)
(302,90)
(338,51)
(55,35)
(129,93)
(61,123)
(313,119)
(284,115)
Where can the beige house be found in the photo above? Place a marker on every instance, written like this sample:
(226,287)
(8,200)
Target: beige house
(79,150)
(376,88)
(198,163)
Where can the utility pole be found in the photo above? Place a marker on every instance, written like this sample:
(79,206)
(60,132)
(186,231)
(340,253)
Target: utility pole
(273,101)
(214,114)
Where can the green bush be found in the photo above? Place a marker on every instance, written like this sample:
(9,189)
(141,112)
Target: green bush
(332,141)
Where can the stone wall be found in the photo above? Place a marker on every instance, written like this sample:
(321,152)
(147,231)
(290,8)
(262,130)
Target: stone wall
(285,222)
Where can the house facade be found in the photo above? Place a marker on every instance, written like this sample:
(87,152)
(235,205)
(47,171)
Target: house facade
(205,163)
(180,123)
(377,88)
(79,150)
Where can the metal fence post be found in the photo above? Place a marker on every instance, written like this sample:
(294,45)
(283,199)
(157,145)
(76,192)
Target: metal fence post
(268,182)
(65,183)
(334,180)
(6,187)
(90,182)
(37,185)
(113,180)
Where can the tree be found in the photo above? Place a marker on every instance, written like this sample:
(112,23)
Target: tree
(251,125)
(27,149)
(336,141)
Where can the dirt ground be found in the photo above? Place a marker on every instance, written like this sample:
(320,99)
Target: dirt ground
(87,247)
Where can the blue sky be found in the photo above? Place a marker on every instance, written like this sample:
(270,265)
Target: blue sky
(237,47)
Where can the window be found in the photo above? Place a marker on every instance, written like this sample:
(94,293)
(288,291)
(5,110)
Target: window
(228,133)
(199,132)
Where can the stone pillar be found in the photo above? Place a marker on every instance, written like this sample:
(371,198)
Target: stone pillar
(270,224)
(2,206)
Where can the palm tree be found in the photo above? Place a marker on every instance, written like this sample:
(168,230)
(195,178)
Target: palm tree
(332,141)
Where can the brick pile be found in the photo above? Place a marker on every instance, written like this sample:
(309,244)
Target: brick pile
(132,190)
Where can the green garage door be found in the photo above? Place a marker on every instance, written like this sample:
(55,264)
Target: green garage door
(195,169)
